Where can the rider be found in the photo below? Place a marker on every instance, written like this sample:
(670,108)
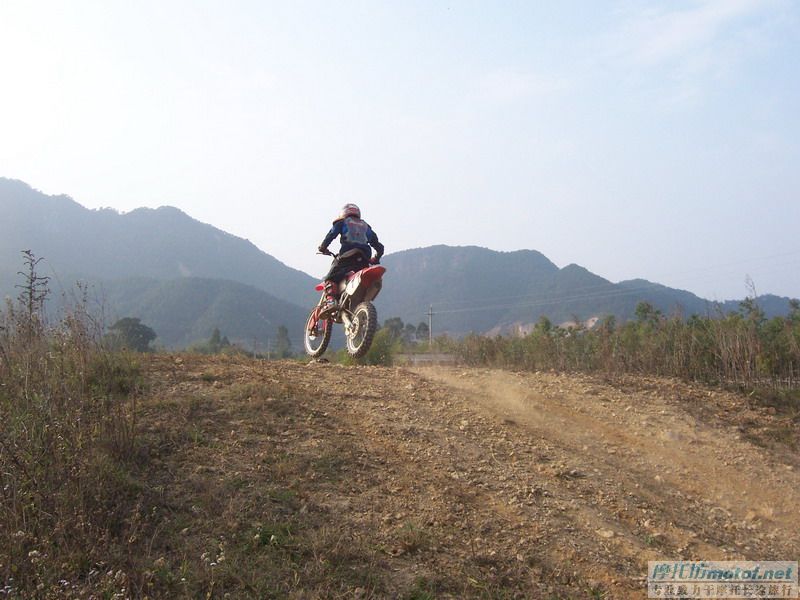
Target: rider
(356,237)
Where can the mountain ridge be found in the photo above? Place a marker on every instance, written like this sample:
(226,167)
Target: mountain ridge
(186,310)
(162,243)
(513,303)
(470,288)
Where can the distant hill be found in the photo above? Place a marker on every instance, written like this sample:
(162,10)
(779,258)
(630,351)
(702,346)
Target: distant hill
(162,243)
(457,280)
(184,278)
(476,289)
(186,310)
(181,277)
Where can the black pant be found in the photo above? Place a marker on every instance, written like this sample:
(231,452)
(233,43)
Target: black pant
(342,266)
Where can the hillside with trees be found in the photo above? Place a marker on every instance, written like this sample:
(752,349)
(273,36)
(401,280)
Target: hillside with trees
(474,289)
(187,310)
(185,278)
(163,243)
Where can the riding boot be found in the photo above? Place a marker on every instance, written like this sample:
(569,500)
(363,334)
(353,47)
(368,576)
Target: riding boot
(331,300)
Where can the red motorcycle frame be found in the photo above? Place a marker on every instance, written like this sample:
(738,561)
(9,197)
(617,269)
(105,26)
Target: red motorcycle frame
(354,311)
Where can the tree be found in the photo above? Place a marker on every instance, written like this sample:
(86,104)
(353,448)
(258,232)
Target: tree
(283,345)
(423,332)
(132,334)
(394,326)
(34,290)
(214,345)
(544,326)
(794,312)
(647,313)
(215,342)
(382,348)
(750,309)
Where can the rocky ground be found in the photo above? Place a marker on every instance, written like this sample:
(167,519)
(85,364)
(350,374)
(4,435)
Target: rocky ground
(279,479)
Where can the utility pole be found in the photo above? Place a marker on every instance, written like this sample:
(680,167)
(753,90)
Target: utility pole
(430,328)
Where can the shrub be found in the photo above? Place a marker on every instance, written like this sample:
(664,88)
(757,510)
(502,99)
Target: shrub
(382,349)
(743,348)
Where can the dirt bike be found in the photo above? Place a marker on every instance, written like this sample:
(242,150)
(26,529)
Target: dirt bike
(354,310)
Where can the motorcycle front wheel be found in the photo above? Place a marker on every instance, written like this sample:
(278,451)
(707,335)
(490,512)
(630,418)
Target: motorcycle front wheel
(317,335)
(362,330)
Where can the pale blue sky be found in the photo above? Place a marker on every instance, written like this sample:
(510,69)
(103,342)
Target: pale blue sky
(638,139)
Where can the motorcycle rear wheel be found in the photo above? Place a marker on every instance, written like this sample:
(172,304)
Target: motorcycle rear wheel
(316,339)
(365,323)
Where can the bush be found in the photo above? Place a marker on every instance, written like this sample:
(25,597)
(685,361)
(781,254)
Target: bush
(743,348)
(381,352)
(382,349)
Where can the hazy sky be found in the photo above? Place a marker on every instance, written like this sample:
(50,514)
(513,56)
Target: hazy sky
(655,139)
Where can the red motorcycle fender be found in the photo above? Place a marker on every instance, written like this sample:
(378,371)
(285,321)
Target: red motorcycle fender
(372,274)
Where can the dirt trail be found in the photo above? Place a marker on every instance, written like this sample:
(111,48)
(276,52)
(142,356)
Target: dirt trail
(481,483)
(621,435)
(643,468)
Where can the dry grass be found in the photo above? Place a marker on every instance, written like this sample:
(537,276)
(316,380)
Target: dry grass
(250,479)
(67,445)
(743,348)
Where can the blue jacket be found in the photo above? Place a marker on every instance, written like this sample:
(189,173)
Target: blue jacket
(354,233)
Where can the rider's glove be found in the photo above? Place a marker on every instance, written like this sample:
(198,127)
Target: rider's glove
(374,260)
(322,250)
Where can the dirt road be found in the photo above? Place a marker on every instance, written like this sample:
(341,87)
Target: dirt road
(441,482)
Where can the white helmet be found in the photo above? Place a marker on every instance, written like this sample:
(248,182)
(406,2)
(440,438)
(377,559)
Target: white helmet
(350,210)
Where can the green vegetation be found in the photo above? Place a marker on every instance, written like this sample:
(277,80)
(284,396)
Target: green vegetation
(184,312)
(130,334)
(283,345)
(383,347)
(741,347)
(214,345)
(392,338)
(220,344)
